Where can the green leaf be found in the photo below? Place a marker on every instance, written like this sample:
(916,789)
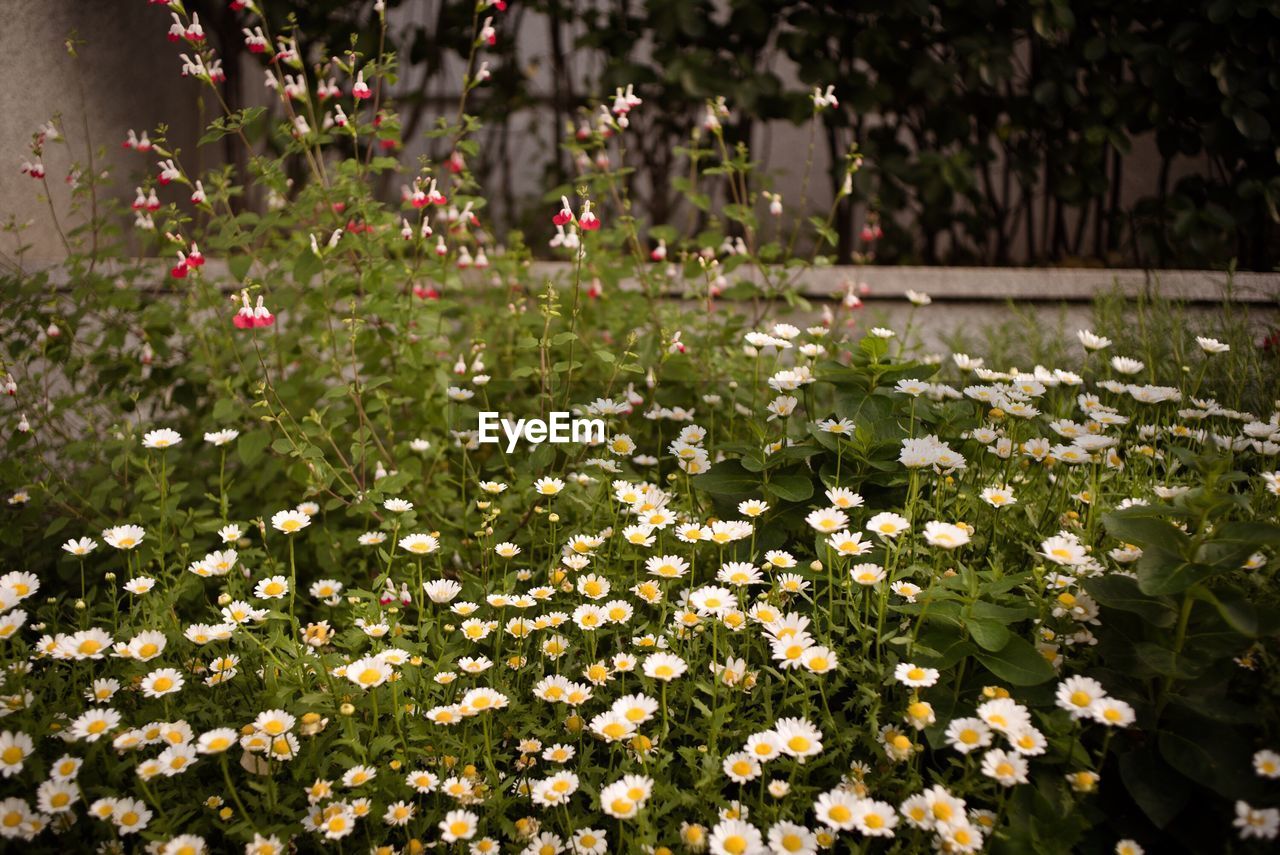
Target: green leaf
(230,124)
(1251,124)
(239,266)
(792,487)
(740,214)
(726,478)
(252,445)
(1235,608)
(1122,593)
(1158,790)
(1018,663)
(990,635)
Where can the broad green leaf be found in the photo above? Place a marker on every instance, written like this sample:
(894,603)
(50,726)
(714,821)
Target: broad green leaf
(1018,663)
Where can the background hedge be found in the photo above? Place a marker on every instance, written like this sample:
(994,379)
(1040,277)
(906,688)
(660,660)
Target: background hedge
(940,96)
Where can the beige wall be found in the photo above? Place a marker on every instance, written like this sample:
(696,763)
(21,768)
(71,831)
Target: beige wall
(130,76)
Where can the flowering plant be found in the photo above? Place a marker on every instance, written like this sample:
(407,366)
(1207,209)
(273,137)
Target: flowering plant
(809,593)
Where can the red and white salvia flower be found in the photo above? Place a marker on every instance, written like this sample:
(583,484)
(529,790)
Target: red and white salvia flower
(300,126)
(177,30)
(483,74)
(605,122)
(583,132)
(482,260)
(168,171)
(596,288)
(500,5)
(441,249)
(339,117)
(659,252)
(216,74)
(426,292)
(717,111)
(295,87)
(195,32)
(406,230)
(676,345)
(871,233)
(47,133)
(250,316)
(456,163)
(565,215)
(624,101)
(255,40)
(197,195)
(824,99)
(434,196)
(487,33)
(10,385)
(193,67)
(35,170)
(565,238)
(131,141)
(195,258)
(464,258)
(153,200)
(179,270)
(143,221)
(287,51)
(775,203)
(361,89)
(327,89)
(466,217)
(417,197)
